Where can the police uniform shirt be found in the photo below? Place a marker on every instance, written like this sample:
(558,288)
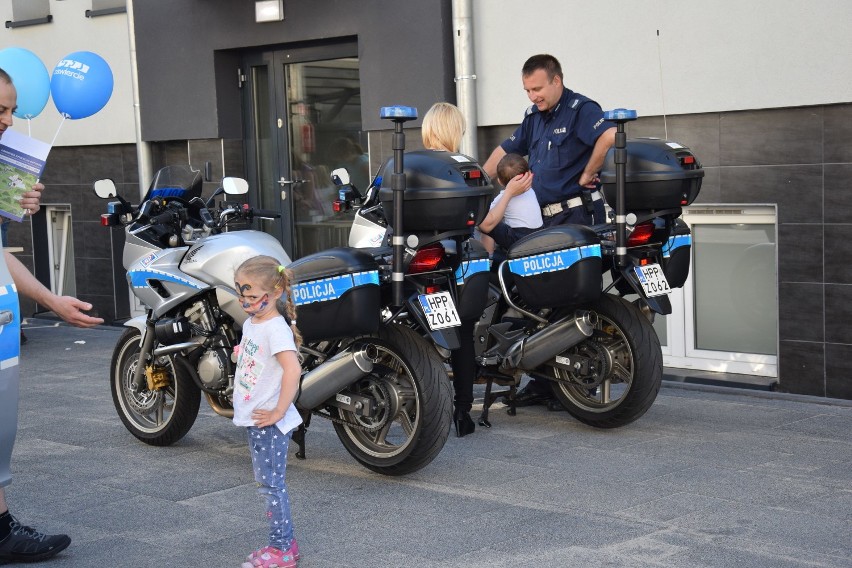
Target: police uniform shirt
(559,144)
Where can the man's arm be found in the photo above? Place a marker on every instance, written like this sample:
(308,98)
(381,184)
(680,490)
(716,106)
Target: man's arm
(516,186)
(68,308)
(490,165)
(589,177)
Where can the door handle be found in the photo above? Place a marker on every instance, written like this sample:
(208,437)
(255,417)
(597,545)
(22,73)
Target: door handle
(283,181)
(6,317)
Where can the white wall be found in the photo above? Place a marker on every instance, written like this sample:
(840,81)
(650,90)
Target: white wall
(718,55)
(72,31)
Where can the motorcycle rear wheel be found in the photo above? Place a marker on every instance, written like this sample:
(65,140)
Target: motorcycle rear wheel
(626,372)
(410,386)
(160,417)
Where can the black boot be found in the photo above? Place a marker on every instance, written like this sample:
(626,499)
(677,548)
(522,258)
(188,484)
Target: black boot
(463,422)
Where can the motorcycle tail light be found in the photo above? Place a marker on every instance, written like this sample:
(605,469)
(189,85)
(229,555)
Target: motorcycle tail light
(641,234)
(433,289)
(426,259)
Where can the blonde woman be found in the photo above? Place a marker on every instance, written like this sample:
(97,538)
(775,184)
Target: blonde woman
(442,129)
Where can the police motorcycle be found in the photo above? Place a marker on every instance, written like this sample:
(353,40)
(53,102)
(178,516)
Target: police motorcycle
(573,304)
(383,387)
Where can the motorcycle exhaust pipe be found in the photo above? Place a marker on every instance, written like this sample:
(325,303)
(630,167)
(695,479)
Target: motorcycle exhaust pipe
(533,351)
(334,375)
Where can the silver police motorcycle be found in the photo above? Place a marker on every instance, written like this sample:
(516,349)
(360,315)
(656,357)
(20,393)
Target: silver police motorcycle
(380,383)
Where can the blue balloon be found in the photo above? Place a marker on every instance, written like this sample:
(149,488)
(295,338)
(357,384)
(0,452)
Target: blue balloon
(31,79)
(81,84)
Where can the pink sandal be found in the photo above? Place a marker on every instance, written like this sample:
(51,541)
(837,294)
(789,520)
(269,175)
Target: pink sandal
(271,557)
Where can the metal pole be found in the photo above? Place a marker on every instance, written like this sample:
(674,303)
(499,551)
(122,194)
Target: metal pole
(465,78)
(398,187)
(143,149)
(620,117)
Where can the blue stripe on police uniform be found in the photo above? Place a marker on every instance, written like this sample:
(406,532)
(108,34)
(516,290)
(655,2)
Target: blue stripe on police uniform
(139,278)
(326,289)
(552,261)
(470,267)
(676,242)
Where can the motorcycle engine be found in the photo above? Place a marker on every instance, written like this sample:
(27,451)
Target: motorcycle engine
(214,365)
(213,368)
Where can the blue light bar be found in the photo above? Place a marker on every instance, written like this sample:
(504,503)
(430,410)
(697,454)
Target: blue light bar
(398,111)
(620,114)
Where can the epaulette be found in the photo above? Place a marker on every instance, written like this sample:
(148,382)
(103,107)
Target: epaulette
(531,110)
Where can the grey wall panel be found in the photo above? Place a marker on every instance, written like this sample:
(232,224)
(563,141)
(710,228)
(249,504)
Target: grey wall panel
(405,48)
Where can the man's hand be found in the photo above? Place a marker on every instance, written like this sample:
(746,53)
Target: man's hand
(519,184)
(589,180)
(71,310)
(30,200)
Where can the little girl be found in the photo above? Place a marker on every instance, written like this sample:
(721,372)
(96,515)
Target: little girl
(265,384)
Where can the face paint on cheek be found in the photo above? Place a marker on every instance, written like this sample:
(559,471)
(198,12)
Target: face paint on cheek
(256,307)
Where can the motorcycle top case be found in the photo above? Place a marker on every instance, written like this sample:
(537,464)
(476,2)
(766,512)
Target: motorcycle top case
(660,175)
(336,293)
(558,266)
(677,254)
(472,279)
(444,192)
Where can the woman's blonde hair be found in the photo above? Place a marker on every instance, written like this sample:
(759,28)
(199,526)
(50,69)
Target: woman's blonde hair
(443,127)
(271,275)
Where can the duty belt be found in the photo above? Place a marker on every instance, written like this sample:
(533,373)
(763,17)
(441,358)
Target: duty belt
(556,208)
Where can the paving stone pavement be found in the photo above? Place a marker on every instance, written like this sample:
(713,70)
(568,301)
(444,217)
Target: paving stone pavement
(709,477)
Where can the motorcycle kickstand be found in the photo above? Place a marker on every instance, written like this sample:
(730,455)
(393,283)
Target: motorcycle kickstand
(487,401)
(299,435)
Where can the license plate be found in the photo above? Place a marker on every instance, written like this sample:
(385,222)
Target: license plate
(653,280)
(440,310)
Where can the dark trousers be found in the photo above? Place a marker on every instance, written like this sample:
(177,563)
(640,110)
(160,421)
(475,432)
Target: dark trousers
(463,362)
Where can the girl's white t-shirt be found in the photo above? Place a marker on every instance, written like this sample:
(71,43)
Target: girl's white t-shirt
(257,382)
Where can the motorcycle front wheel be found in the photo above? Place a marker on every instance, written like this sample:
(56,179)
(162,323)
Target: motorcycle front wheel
(158,417)
(411,390)
(623,367)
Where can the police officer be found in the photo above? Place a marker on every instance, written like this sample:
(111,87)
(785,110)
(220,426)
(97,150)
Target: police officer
(566,138)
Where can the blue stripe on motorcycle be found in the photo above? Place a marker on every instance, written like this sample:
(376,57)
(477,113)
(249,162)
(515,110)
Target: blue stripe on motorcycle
(332,288)
(139,279)
(470,267)
(552,261)
(676,242)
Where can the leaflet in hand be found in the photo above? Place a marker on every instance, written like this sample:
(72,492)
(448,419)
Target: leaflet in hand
(21,163)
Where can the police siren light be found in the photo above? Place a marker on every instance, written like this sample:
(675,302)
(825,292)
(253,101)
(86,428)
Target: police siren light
(398,112)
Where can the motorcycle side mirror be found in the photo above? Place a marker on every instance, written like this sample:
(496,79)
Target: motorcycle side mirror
(340,176)
(235,186)
(105,189)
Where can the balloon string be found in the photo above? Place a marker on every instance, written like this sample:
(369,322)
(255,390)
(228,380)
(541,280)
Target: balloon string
(29,127)
(57,131)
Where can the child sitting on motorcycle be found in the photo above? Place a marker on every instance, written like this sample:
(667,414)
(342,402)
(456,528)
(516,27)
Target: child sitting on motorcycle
(515,211)
(265,386)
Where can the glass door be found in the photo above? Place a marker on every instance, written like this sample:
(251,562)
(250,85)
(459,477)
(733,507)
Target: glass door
(304,120)
(725,318)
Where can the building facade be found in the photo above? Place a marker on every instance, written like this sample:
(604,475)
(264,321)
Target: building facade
(765,106)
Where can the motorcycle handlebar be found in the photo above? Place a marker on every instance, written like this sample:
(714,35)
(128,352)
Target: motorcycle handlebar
(269,214)
(166,217)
